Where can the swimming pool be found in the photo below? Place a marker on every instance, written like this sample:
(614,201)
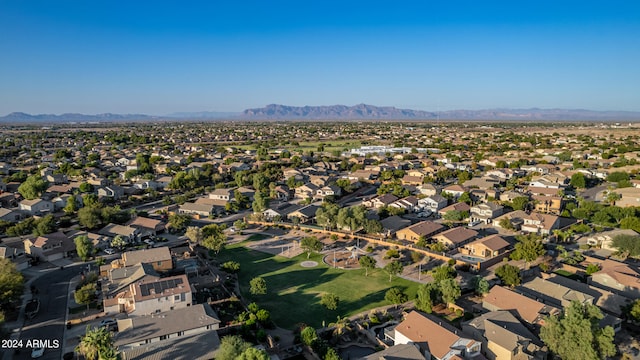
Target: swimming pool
(471,259)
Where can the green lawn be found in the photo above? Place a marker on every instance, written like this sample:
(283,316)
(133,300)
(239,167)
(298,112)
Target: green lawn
(294,292)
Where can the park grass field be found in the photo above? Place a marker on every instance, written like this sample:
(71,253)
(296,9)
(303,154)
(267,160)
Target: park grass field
(293,292)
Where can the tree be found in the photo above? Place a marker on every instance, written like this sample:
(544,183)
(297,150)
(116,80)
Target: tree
(456,215)
(231,347)
(393,268)
(426,296)
(326,215)
(450,290)
(96,343)
(634,310)
(84,247)
(260,202)
(368,263)
(395,296)
(231,266)
(331,354)
(11,283)
(528,249)
(118,242)
(214,237)
(252,353)
(85,295)
(330,301)
(630,222)
(576,334)
(480,285)
(240,225)
(258,286)
(505,223)
(578,181)
(310,244)
(443,272)
(179,222)
(89,217)
(612,197)
(308,336)
(509,274)
(627,244)
(45,225)
(520,203)
(71,206)
(33,187)
(194,234)
(592,268)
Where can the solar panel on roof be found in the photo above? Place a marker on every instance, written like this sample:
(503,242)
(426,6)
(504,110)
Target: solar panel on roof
(159,286)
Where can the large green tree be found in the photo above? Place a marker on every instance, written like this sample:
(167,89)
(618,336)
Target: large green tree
(179,222)
(427,296)
(214,237)
(368,263)
(11,283)
(509,274)
(627,244)
(393,268)
(395,296)
(97,344)
(310,244)
(450,290)
(330,301)
(84,247)
(90,217)
(85,295)
(258,286)
(231,347)
(528,248)
(577,335)
(33,187)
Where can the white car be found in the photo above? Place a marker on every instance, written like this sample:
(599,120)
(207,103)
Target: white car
(109,251)
(149,242)
(37,352)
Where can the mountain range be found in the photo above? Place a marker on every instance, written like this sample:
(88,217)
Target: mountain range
(338,112)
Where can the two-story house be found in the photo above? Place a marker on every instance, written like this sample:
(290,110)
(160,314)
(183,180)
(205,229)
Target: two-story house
(36,206)
(433,203)
(435,338)
(486,247)
(49,247)
(486,212)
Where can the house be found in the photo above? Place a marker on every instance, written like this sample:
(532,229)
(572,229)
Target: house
(99,241)
(147,227)
(9,215)
(112,191)
(526,309)
(423,229)
(487,247)
(306,191)
(484,183)
(36,206)
(455,237)
(428,189)
(548,204)
(329,190)
(412,180)
(409,203)
(486,212)
(155,295)
(433,202)
(620,278)
(604,239)
(279,211)
(50,247)
(537,223)
(181,334)
(160,258)
(222,194)
(129,234)
(304,214)
(435,338)
(202,210)
(380,201)
(117,278)
(16,255)
(560,296)
(454,190)
(503,336)
(392,224)
(461,207)
(282,193)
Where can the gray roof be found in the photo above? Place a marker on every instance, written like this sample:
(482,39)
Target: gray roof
(395,223)
(503,328)
(146,256)
(121,278)
(195,347)
(397,352)
(170,322)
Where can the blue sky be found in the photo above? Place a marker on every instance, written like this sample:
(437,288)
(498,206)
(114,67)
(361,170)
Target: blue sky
(170,56)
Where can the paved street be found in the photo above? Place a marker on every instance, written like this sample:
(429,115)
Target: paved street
(49,323)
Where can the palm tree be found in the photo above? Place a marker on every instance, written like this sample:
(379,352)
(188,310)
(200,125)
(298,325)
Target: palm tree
(97,344)
(342,325)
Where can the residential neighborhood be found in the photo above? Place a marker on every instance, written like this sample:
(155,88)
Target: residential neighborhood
(322,240)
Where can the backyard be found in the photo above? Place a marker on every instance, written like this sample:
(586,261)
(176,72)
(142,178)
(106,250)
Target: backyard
(293,292)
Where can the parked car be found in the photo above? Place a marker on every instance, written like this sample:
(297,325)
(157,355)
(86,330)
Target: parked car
(109,251)
(37,352)
(149,242)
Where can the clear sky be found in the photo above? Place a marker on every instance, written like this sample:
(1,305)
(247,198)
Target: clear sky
(159,57)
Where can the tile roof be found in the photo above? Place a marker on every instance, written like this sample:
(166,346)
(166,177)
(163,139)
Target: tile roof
(528,309)
(420,329)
